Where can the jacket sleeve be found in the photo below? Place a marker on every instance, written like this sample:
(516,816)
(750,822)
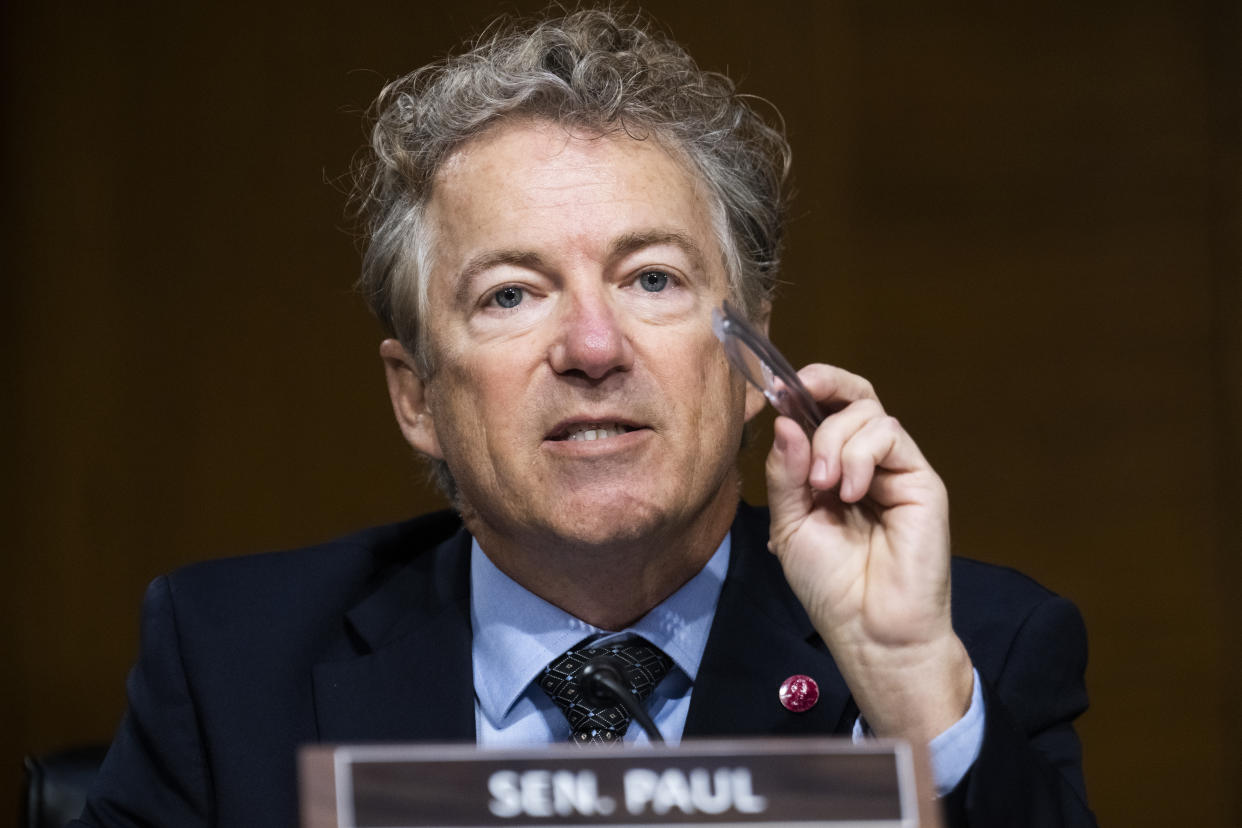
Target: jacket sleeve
(1029,768)
(156,772)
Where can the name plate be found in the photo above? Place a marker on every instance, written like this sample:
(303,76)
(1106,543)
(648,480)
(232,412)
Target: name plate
(825,782)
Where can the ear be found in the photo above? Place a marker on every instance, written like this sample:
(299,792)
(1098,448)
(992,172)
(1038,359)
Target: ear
(407,391)
(755,401)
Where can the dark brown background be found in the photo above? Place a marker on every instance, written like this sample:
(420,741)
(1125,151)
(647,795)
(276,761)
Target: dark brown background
(1022,225)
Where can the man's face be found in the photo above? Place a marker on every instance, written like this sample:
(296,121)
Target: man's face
(578,392)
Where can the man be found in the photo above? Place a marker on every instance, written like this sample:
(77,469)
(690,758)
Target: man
(553,216)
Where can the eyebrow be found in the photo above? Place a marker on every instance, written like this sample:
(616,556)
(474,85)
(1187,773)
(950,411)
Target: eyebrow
(488,260)
(621,246)
(631,242)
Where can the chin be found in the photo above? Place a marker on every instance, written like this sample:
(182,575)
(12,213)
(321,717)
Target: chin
(606,521)
(618,518)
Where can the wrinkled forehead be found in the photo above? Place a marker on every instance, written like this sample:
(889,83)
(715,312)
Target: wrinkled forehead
(535,184)
(567,132)
(521,151)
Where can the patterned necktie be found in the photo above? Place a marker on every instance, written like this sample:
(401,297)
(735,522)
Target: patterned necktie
(641,664)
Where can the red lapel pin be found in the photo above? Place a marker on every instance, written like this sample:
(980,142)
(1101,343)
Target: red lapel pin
(799,693)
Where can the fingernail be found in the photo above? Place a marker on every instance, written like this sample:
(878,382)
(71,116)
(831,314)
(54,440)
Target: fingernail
(781,443)
(820,470)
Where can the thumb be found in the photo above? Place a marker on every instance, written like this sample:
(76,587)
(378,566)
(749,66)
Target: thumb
(788,468)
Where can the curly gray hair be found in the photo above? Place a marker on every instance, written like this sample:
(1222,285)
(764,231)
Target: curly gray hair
(589,69)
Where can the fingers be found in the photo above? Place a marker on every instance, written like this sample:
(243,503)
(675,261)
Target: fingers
(856,441)
(835,387)
(860,451)
(880,444)
(787,467)
(831,437)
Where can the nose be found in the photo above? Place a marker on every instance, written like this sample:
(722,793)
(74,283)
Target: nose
(591,340)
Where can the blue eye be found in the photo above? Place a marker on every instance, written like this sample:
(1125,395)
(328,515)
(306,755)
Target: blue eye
(653,281)
(508,297)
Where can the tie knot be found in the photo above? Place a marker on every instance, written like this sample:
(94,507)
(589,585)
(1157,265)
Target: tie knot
(641,664)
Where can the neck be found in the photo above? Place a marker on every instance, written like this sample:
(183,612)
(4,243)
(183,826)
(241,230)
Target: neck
(582,578)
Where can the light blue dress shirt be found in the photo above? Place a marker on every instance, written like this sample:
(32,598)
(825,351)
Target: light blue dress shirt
(517,633)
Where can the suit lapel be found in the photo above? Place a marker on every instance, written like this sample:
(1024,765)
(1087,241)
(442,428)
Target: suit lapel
(411,677)
(761,636)
(413,680)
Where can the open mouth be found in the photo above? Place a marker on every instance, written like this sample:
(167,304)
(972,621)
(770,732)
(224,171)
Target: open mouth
(591,431)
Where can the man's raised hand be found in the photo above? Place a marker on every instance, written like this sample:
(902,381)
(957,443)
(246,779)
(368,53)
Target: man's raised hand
(860,523)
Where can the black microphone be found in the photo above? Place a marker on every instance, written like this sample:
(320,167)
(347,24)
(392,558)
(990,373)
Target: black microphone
(602,684)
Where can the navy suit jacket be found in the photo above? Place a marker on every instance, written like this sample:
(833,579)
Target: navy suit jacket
(368,638)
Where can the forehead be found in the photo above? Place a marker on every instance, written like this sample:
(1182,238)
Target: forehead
(535,184)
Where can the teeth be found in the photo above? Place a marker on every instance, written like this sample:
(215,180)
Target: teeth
(596,431)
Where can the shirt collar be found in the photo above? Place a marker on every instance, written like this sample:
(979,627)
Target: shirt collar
(516,633)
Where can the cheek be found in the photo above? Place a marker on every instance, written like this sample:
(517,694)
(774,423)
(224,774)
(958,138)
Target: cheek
(720,378)
(448,400)
(478,400)
(714,393)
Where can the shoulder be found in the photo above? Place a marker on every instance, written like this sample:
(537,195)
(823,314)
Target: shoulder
(375,548)
(992,588)
(1002,615)
(276,590)
(983,594)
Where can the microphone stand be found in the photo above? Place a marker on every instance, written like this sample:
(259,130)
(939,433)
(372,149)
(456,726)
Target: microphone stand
(602,684)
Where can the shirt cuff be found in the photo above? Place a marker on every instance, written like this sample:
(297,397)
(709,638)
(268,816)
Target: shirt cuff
(953,751)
